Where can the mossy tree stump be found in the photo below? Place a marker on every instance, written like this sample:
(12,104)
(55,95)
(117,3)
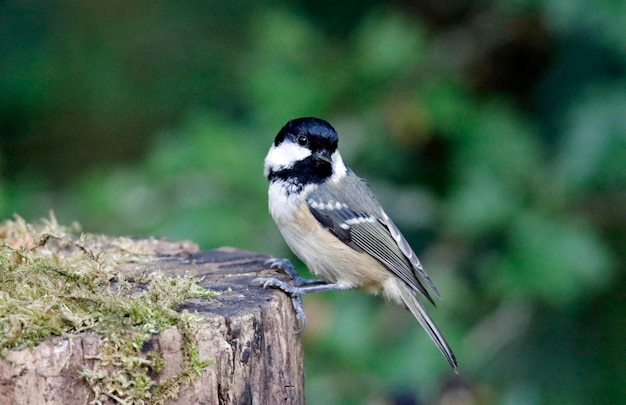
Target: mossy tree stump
(245,341)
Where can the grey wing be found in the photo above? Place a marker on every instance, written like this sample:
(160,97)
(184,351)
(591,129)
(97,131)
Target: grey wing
(404,246)
(378,237)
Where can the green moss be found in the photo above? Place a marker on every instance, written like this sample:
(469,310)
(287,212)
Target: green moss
(55,283)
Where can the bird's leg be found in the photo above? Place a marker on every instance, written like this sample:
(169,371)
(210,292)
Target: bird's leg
(300,286)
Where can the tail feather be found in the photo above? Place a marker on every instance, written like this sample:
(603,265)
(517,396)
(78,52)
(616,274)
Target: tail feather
(417,309)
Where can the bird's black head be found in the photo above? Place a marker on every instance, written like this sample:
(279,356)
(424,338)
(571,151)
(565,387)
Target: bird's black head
(313,133)
(302,152)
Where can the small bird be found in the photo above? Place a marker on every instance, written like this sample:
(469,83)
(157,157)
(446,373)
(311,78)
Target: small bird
(332,221)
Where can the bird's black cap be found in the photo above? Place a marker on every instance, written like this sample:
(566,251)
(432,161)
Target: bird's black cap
(320,134)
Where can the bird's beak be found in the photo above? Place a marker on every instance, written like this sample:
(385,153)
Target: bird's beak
(323,156)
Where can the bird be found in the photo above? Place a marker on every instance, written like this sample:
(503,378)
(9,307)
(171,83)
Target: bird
(332,221)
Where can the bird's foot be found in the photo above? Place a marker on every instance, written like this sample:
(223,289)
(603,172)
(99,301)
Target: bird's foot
(289,269)
(300,286)
(294,291)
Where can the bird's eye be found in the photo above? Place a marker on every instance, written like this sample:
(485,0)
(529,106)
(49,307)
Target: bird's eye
(303,140)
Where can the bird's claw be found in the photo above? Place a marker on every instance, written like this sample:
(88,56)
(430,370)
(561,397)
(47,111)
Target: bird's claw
(284,265)
(274,283)
(293,292)
(296,301)
(289,269)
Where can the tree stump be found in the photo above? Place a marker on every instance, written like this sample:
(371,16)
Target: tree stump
(247,334)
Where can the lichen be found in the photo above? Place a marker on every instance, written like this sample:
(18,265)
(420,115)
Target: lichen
(55,282)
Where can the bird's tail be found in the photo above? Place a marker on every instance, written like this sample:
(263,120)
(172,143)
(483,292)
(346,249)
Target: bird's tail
(417,309)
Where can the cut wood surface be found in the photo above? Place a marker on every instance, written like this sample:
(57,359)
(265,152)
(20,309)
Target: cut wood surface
(247,334)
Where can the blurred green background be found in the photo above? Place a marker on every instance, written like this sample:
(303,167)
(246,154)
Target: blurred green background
(494,133)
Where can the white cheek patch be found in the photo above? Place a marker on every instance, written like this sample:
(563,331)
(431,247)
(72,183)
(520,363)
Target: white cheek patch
(339,168)
(285,155)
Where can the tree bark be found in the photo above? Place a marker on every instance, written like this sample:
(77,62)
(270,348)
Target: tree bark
(247,333)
